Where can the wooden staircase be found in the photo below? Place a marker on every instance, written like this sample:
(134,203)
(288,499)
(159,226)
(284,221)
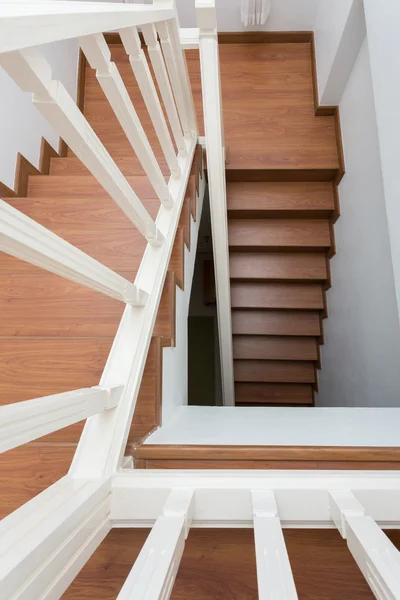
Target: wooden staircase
(280,241)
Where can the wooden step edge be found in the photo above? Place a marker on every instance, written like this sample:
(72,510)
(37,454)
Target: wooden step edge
(333,174)
(284,213)
(177,260)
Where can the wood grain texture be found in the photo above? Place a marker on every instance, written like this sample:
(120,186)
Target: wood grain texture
(274,371)
(257,465)
(275,322)
(273,393)
(275,266)
(276,295)
(259,347)
(264,234)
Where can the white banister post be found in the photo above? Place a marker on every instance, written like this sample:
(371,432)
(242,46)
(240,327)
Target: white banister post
(211,91)
(23,238)
(23,422)
(133,47)
(45,543)
(32,73)
(274,574)
(376,556)
(154,572)
(98,54)
(174,75)
(160,71)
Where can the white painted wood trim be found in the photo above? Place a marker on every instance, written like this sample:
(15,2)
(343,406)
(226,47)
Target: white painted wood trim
(102,445)
(189,37)
(98,54)
(31,23)
(153,574)
(23,422)
(376,556)
(160,71)
(274,574)
(223,498)
(133,47)
(213,124)
(23,238)
(32,73)
(46,542)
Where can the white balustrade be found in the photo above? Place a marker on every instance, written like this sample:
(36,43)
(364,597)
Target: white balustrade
(161,74)
(23,238)
(98,54)
(153,574)
(274,574)
(32,73)
(376,556)
(213,124)
(131,41)
(23,422)
(45,543)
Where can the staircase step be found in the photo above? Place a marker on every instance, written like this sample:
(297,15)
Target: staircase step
(277,295)
(274,371)
(279,234)
(282,199)
(274,347)
(59,186)
(73,166)
(276,322)
(274,393)
(274,266)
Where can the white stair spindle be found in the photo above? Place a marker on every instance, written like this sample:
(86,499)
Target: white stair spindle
(274,574)
(32,73)
(154,572)
(376,556)
(98,54)
(175,76)
(157,61)
(23,238)
(23,422)
(131,42)
(45,543)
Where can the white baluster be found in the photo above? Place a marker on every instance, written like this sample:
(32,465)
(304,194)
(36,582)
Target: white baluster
(32,73)
(99,56)
(157,61)
(153,574)
(45,543)
(376,556)
(274,574)
(23,422)
(23,238)
(137,59)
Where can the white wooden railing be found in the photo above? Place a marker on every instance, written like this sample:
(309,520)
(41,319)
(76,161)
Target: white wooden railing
(45,543)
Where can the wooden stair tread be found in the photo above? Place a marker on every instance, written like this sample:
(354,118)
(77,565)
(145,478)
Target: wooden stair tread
(274,393)
(278,233)
(274,371)
(274,266)
(71,165)
(274,199)
(276,322)
(274,347)
(277,295)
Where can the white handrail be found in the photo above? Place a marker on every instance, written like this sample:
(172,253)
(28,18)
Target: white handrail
(24,24)
(22,422)
(213,124)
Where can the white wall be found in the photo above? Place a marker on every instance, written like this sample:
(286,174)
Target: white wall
(21,124)
(383,19)
(361,355)
(262,426)
(339,33)
(286,15)
(175,360)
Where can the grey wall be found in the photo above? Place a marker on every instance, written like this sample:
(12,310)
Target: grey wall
(361,355)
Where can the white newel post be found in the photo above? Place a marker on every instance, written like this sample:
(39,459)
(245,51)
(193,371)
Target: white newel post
(213,124)
(99,56)
(32,73)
